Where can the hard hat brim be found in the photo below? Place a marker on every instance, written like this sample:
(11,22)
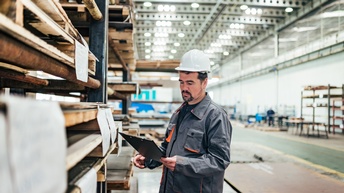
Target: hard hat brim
(191,70)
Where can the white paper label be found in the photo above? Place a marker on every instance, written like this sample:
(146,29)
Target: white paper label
(81,61)
(104,130)
(88,183)
(37,145)
(119,126)
(5,174)
(112,125)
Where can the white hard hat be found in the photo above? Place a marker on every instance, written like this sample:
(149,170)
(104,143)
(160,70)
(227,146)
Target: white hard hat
(194,61)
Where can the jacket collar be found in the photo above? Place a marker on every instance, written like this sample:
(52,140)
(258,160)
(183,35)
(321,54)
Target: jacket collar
(200,109)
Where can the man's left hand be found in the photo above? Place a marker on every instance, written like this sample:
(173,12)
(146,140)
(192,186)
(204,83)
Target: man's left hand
(169,162)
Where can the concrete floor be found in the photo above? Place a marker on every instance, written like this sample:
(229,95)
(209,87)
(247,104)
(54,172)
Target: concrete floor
(323,157)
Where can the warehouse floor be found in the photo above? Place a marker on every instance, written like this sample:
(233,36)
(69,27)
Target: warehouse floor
(262,159)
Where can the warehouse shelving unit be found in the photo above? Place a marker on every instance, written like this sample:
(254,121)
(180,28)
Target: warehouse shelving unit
(316,101)
(46,36)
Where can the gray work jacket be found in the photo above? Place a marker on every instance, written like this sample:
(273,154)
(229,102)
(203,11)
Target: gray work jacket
(202,146)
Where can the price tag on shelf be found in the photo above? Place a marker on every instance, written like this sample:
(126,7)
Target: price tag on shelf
(81,61)
(112,125)
(104,129)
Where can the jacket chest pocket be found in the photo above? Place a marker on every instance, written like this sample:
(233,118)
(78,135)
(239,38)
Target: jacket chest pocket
(193,142)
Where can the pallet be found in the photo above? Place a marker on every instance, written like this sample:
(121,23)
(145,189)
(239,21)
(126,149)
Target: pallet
(119,179)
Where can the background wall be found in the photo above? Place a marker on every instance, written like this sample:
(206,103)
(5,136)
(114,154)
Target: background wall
(281,88)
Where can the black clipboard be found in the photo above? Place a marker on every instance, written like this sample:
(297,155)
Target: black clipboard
(145,147)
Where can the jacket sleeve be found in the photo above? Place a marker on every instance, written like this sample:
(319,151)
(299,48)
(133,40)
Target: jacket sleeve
(217,156)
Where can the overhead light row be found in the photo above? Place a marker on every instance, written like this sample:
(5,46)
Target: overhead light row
(254,11)
(168,7)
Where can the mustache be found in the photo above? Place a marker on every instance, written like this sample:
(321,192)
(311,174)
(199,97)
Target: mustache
(184,91)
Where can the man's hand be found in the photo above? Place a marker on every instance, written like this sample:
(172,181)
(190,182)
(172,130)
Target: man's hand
(139,161)
(169,162)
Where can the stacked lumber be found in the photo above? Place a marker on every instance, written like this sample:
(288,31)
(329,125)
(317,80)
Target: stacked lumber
(39,36)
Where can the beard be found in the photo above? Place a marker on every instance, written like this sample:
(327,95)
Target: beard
(187,98)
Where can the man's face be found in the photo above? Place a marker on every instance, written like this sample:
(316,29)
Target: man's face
(192,89)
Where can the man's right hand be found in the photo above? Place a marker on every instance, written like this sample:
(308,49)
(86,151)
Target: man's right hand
(139,161)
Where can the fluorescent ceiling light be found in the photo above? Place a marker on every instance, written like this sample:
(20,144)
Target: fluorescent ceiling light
(338,13)
(243,7)
(173,51)
(226,53)
(287,39)
(147,56)
(215,44)
(288,9)
(147,34)
(194,5)
(148,44)
(303,29)
(186,22)
(225,37)
(162,35)
(147,4)
(166,8)
(176,44)
(181,35)
(212,63)
(148,51)
(160,8)
(159,43)
(170,57)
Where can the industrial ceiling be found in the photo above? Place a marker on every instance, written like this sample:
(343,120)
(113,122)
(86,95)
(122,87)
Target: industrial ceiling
(165,30)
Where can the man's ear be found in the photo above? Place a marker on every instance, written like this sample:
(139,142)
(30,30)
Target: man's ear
(204,83)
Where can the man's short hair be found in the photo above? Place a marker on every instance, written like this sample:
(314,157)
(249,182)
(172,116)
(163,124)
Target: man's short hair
(201,75)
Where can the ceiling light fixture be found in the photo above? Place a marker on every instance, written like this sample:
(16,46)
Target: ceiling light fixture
(147,4)
(243,7)
(147,56)
(147,34)
(181,35)
(148,44)
(225,37)
(148,51)
(160,8)
(186,22)
(212,63)
(226,53)
(170,57)
(288,9)
(194,5)
(173,51)
(176,44)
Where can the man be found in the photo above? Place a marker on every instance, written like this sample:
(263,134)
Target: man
(271,116)
(198,137)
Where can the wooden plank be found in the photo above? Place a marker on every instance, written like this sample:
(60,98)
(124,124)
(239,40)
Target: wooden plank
(93,9)
(13,68)
(33,59)
(121,35)
(124,87)
(33,41)
(14,75)
(123,46)
(119,179)
(58,86)
(79,146)
(73,117)
(48,25)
